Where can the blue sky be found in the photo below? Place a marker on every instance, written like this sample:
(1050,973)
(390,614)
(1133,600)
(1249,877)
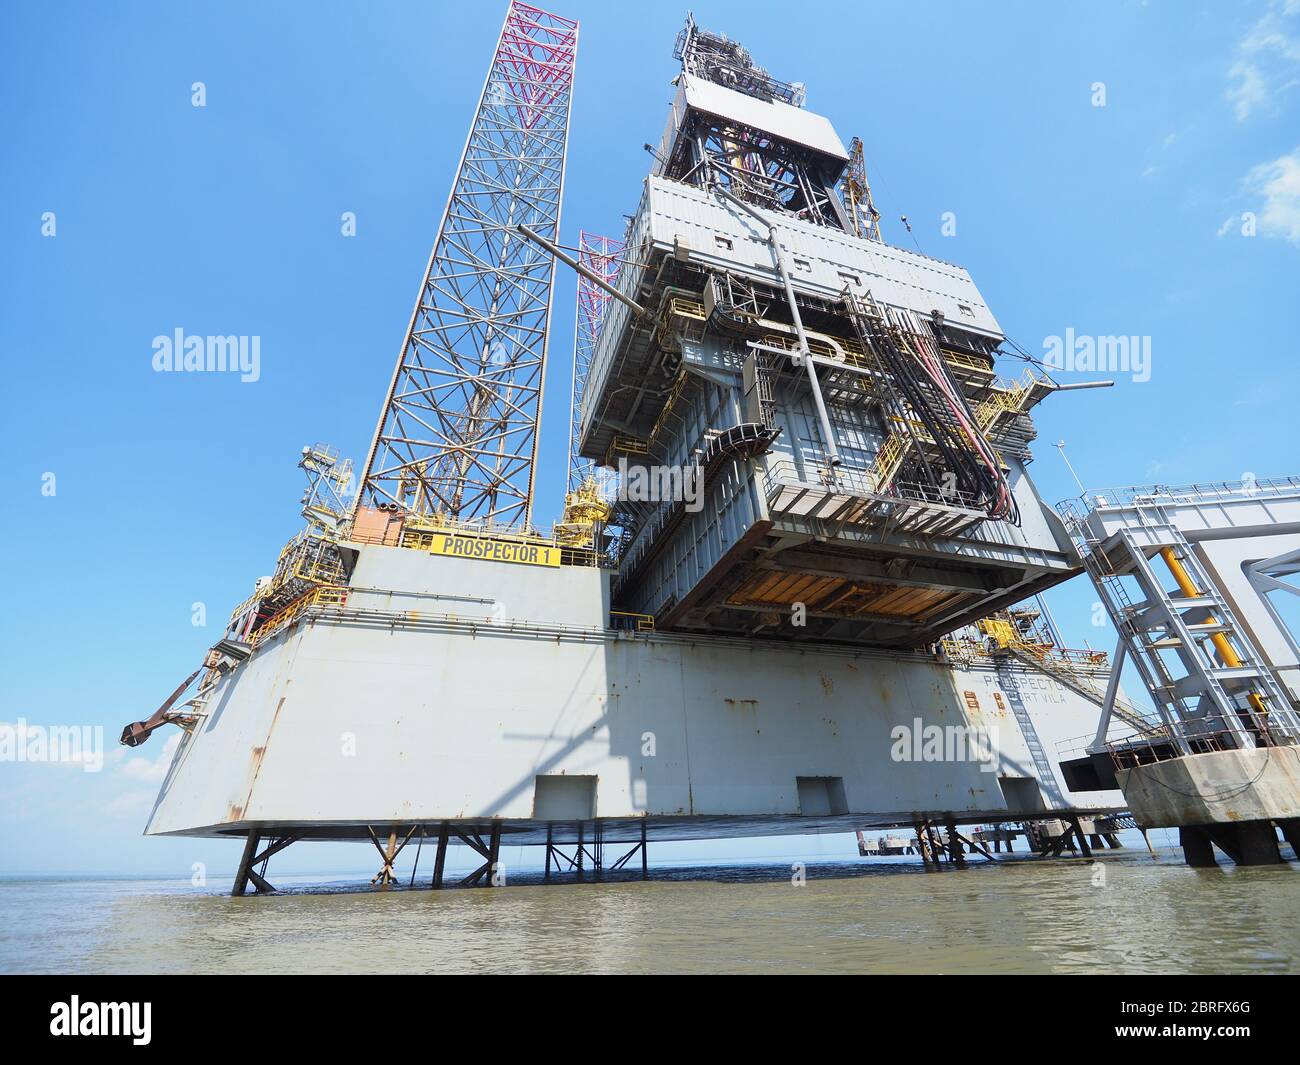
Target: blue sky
(177,489)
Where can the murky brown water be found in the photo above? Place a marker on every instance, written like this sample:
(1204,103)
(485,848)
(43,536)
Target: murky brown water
(1135,915)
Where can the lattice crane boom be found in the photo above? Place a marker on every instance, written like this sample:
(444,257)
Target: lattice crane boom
(457,435)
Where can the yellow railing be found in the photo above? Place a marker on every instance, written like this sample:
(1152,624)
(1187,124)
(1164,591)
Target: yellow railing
(1007,399)
(318,597)
(638,622)
(627,445)
(887,462)
(966,362)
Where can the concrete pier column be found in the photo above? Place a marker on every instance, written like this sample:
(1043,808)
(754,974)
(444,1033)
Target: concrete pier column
(1257,841)
(1198,851)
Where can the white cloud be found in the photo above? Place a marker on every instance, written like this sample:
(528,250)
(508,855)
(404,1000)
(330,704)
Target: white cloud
(131,804)
(1268,60)
(1227,225)
(1278,183)
(1249,93)
(140,768)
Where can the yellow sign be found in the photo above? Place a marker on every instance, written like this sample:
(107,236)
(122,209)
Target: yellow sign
(494,550)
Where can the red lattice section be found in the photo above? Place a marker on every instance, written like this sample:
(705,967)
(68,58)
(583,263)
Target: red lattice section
(536,57)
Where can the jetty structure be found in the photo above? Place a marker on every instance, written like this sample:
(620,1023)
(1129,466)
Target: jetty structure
(793,586)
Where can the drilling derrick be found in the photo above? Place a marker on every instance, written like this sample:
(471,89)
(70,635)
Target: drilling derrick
(457,436)
(835,395)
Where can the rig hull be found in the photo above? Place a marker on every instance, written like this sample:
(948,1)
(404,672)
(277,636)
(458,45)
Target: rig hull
(468,691)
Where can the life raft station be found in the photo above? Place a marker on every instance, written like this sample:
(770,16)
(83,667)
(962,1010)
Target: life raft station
(857,452)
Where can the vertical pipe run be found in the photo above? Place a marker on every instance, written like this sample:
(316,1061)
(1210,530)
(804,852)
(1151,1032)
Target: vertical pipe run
(805,353)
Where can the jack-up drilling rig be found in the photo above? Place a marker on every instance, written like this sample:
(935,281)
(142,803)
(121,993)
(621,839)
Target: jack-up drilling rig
(807,631)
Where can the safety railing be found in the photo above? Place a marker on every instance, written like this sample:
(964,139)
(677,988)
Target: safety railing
(317,597)
(627,621)
(1165,495)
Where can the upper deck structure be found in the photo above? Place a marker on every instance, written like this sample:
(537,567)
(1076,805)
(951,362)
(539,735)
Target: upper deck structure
(860,469)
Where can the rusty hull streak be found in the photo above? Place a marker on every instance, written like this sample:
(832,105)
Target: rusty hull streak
(258,753)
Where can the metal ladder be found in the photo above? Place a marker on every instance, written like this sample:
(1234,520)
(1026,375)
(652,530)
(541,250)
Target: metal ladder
(1042,764)
(1247,699)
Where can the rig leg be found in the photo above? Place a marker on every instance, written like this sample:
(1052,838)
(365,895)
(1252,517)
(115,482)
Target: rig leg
(245,864)
(494,857)
(1083,840)
(440,858)
(550,836)
(955,850)
(385,876)
(645,859)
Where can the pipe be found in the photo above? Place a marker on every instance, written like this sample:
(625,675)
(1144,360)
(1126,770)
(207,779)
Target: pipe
(805,353)
(595,279)
(1082,384)
(1227,653)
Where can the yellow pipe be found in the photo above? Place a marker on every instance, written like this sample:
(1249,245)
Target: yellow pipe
(1227,654)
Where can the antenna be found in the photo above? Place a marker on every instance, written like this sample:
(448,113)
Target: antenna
(1060,446)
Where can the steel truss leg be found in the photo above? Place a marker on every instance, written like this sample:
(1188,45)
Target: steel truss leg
(955,851)
(251,859)
(490,852)
(1078,834)
(922,849)
(639,846)
(245,863)
(386,877)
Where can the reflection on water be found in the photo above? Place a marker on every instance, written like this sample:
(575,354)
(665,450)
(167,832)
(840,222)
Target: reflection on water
(1128,913)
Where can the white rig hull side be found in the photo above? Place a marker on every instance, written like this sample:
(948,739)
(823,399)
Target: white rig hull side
(446,687)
